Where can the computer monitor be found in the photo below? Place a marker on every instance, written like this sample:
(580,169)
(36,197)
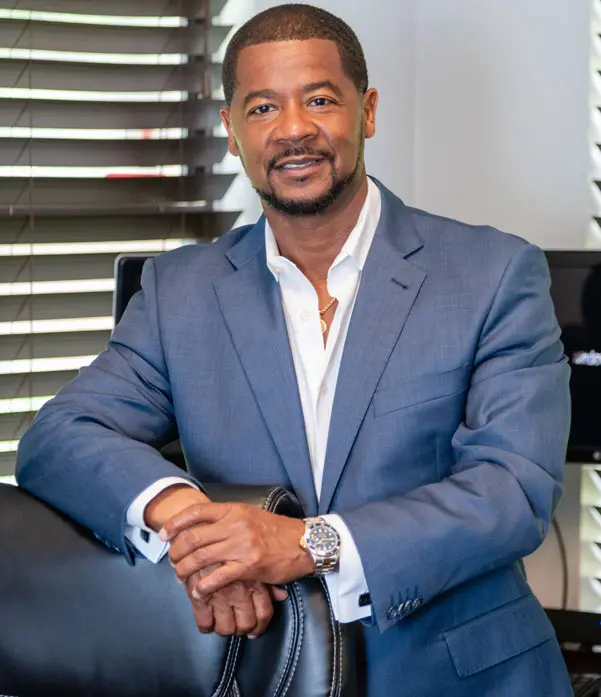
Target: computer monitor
(128,280)
(576,293)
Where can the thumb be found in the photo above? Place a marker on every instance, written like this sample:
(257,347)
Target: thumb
(278,593)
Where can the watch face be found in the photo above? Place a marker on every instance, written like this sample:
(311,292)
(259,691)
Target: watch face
(324,540)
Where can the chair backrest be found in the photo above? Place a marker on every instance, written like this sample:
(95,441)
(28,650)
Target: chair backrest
(128,275)
(76,620)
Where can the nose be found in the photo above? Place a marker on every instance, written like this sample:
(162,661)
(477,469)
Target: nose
(294,124)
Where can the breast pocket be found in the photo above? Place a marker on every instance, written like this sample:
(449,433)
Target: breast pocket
(421,389)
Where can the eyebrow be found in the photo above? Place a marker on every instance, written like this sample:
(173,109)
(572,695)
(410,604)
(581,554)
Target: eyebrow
(328,84)
(257,94)
(311,87)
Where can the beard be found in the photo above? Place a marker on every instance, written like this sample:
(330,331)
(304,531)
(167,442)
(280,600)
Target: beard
(314,206)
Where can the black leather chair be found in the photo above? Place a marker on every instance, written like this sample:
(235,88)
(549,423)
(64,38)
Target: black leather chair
(76,620)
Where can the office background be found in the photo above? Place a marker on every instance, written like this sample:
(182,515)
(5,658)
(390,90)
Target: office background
(485,115)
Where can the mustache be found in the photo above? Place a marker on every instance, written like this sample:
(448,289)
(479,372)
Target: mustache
(297,152)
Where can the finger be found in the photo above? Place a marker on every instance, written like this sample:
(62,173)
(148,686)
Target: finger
(225,621)
(263,607)
(199,559)
(203,612)
(245,615)
(195,537)
(221,577)
(278,593)
(193,515)
(203,616)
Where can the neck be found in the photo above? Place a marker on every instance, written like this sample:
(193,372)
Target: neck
(313,242)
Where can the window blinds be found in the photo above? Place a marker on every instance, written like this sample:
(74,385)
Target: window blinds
(109,137)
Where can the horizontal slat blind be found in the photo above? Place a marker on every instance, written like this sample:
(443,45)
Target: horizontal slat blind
(109,143)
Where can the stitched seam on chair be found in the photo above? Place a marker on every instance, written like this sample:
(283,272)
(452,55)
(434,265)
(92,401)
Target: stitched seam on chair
(294,597)
(267,504)
(340,659)
(278,494)
(275,498)
(229,669)
(295,644)
(283,495)
(299,642)
(335,686)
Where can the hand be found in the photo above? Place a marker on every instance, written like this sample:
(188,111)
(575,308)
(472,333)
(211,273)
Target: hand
(239,609)
(241,542)
(170,501)
(243,608)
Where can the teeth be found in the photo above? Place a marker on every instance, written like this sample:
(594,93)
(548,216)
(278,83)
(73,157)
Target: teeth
(295,166)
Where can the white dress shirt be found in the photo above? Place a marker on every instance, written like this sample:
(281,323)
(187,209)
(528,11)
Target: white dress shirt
(317,369)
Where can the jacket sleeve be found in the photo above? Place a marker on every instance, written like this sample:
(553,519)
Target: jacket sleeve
(93,448)
(496,505)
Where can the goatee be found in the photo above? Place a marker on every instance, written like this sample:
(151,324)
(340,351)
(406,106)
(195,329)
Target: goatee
(314,206)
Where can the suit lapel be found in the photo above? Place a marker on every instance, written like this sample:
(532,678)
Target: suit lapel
(389,287)
(250,301)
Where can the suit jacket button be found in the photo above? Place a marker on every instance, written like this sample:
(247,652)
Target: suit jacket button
(417,603)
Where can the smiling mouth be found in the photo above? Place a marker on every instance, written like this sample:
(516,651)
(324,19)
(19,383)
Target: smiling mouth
(300,165)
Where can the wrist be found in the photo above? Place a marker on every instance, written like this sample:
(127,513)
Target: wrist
(306,563)
(170,502)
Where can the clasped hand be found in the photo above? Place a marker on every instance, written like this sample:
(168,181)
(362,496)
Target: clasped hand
(232,557)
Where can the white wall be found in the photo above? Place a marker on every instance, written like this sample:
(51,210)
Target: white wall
(484,117)
(502,115)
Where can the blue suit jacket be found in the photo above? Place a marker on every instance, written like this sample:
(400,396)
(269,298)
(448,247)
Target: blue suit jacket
(446,444)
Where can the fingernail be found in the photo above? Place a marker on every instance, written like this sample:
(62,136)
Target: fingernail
(163,535)
(195,594)
(179,580)
(252,636)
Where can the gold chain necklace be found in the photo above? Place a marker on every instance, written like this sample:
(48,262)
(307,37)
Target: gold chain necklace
(324,325)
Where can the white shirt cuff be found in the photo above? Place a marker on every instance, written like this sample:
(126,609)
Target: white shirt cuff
(347,583)
(143,538)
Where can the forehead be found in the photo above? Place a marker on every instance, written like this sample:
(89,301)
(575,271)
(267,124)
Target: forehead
(284,65)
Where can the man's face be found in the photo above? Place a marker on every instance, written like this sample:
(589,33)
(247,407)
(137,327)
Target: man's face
(298,124)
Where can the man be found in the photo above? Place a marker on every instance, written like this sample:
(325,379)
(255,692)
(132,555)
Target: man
(402,373)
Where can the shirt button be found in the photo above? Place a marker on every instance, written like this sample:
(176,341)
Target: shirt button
(304,315)
(323,390)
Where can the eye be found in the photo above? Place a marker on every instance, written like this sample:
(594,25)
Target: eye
(261,109)
(321,101)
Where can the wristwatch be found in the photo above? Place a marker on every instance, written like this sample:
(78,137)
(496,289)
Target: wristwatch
(322,541)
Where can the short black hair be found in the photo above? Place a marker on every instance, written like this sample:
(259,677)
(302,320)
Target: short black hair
(296,22)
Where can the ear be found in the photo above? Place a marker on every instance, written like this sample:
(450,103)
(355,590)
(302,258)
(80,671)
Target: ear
(226,119)
(370,106)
